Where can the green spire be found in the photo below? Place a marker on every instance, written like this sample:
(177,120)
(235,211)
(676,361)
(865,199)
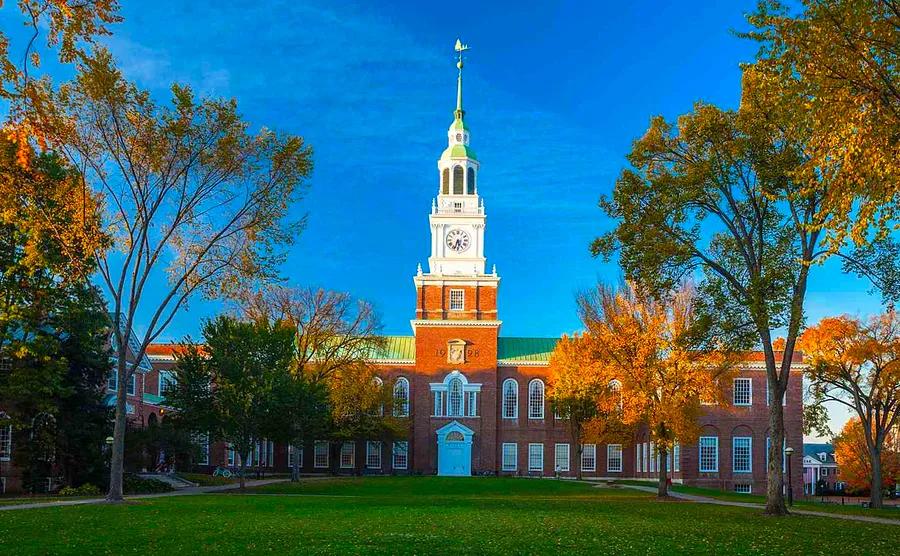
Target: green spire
(459,112)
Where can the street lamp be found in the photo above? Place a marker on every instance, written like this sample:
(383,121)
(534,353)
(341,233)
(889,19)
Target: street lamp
(788,451)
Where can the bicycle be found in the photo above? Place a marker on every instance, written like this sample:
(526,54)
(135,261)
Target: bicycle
(222,472)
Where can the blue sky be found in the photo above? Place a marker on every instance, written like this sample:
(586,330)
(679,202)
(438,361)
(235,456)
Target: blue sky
(555,93)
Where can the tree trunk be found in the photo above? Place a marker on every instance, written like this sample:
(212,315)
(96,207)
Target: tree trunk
(663,489)
(775,486)
(875,494)
(295,465)
(244,469)
(117,458)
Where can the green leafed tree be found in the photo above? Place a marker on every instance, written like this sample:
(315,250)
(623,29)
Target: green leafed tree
(237,385)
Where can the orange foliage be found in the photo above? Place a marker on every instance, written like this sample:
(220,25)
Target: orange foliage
(854,462)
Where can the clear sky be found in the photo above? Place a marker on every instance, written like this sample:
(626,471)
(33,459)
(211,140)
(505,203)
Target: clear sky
(555,92)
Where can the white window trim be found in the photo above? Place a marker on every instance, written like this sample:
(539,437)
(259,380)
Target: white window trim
(734,446)
(592,448)
(531,414)
(700,454)
(557,452)
(532,446)
(352,455)
(515,456)
(316,445)
(515,404)
(402,385)
(441,390)
(373,450)
(676,458)
(7,442)
(400,447)
(734,391)
(610,448)
(749,489)
(460,304)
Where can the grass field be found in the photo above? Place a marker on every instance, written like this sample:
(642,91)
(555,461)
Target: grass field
(430,515)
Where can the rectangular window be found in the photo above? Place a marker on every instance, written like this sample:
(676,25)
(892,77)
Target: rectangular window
(471,404)
(676,458)
(166,381)
(348,455)
(535,457)
(741,454)
(373,454)
(202,442)
(646,457)
(637,458)
(5,364)
(457,300)
(652,457)
(291,450)
(401,454)
(561,453)
(132,385)
(270,456)
(742,488)
(231,456)
(510,456)
(320,454)
(614,458)
(709,454)
(438,403)
(112,381)
(5,442)
(589,457)
(743,392)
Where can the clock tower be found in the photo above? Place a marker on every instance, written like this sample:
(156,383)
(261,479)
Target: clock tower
(457,286)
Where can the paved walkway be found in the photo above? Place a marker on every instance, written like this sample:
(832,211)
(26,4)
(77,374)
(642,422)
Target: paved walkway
(182,492)
(706,500)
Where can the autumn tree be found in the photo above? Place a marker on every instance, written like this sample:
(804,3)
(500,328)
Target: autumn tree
(713,199)
(195,202)
(583,390)
(336,338)
(237,385)
(851,451)
(657,350)
(838,64)
(857,364)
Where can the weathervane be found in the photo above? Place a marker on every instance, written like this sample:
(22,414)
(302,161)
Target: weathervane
(460,48)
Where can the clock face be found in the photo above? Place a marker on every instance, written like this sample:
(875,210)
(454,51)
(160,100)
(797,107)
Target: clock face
(458,240)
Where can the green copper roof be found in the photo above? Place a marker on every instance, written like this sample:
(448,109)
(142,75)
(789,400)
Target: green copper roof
(532,350)
(459,151)
(536,350)
(402,348)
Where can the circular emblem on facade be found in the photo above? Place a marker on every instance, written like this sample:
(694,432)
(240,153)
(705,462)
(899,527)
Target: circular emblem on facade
(458,240)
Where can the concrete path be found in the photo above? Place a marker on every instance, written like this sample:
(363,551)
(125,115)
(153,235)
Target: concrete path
(706,500)
(182,492)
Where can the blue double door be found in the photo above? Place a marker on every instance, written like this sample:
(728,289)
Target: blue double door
(454,450)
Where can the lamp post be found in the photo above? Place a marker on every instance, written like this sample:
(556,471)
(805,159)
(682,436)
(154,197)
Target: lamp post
(789,452)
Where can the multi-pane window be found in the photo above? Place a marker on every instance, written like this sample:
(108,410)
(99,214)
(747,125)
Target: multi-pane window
(652,457)
(202,442)
(742,488)
(535,457)
(438,402)
(320,454)
(510,456)
(373,454)
(561,455)
(471,409)
(166,381)
(291,450)
(348,455)
(743,391)
(112,381)
(646,457)
(676,458)
(510,399)
(536,399)
(401,454)
(132,385)
(5,442)
(589,457)
(614,458)
(5,364)
(709,454)
(455,400)
(401,397)
(231,457)
(457,300)
(740,454)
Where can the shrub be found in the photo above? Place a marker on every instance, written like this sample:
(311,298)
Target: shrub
(132,484)
(87,489)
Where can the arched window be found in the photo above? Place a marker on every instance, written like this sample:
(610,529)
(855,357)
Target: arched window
(457,180)
(379,384)
(510,399)
(454,436)
(536,399)
(470,183)
(401,397)
(455,402)
(445,181)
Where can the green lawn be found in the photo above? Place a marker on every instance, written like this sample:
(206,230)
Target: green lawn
(430,515)
(811,505)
